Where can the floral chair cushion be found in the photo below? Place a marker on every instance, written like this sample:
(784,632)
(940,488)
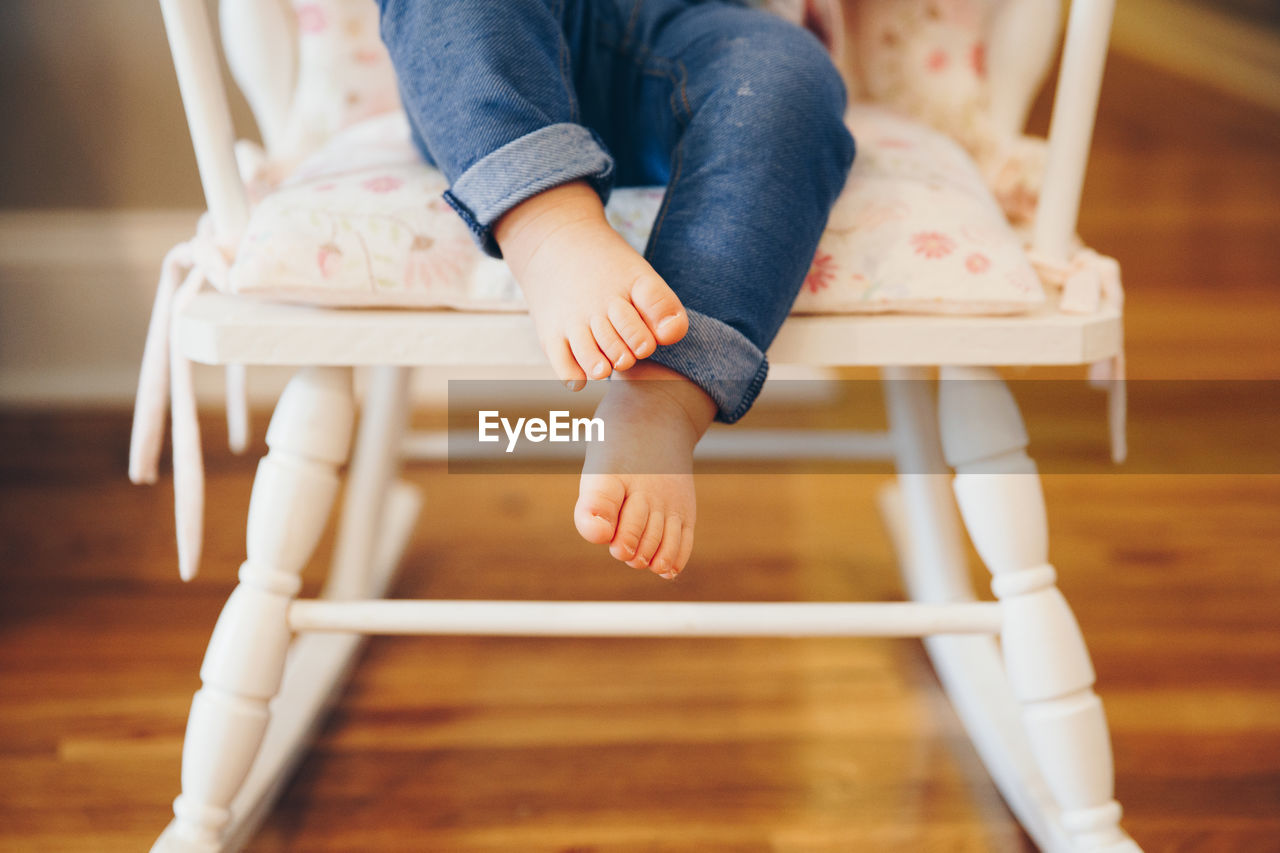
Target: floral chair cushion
(362,223)
(927,59)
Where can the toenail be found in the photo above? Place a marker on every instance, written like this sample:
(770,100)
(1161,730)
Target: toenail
(643,349)
(601,368)
(572,384)
(668,322)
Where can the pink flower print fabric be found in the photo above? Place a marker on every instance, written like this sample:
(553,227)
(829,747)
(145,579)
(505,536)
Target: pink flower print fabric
(312,18)
(931,244)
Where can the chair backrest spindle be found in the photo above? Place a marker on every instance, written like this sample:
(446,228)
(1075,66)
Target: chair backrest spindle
(1021,44)
(260,40)
(195,60)
(1075,104)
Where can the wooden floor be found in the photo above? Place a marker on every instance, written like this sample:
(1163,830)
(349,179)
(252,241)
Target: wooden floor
(629,745)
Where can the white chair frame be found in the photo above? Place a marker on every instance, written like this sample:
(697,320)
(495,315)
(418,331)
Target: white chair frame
(1028,702)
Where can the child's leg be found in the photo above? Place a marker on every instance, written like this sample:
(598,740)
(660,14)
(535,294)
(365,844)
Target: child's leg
(759,154)
(488,88)
(750,110)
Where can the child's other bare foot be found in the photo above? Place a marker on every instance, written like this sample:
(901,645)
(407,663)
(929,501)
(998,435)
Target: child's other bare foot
(597,304)
(637,486)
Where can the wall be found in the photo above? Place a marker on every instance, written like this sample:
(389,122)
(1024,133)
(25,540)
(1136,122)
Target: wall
(97,180)
(92,116)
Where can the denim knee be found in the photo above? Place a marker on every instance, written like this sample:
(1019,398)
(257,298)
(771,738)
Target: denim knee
(780,89)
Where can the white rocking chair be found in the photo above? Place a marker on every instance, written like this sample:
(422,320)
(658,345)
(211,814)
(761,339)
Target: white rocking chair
(1027,703)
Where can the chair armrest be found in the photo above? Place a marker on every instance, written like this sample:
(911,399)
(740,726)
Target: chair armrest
(1075,104)
(195,59)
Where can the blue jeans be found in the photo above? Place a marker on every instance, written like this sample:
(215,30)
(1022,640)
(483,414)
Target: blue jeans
(738,112)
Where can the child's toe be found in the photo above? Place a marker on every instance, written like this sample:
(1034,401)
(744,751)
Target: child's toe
(600,500)
(635,512)
(686,548)
(593,362)
(649,541)
(611,343)
(564,364)
(664,561)
(660,308)
(631,328)
(598,505)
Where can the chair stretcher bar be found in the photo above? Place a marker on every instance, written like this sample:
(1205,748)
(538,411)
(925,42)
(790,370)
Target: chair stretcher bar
(645,619)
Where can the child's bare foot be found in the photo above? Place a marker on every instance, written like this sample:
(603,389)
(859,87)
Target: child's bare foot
(597,304)
(637,485)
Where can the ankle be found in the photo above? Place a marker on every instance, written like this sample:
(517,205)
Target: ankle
(647,378)
(529,224)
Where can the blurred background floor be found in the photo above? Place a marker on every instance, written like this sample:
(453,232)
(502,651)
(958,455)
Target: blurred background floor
(463,744)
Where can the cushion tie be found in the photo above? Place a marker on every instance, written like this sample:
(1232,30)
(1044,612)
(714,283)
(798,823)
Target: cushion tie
(1090,281)
(166,373)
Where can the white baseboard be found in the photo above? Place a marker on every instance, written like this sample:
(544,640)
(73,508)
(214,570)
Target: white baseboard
(114,386)
(75,293)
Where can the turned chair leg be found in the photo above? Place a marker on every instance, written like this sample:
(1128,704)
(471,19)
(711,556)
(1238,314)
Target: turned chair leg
(932,541)
(375,462)
(998,490)
(293,492)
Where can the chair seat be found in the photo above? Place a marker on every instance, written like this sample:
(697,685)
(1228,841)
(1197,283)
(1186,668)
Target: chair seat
(362,223)
(216,328)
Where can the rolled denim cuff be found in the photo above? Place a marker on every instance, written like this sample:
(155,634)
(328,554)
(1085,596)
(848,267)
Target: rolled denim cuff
(721,361)
(547,157)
